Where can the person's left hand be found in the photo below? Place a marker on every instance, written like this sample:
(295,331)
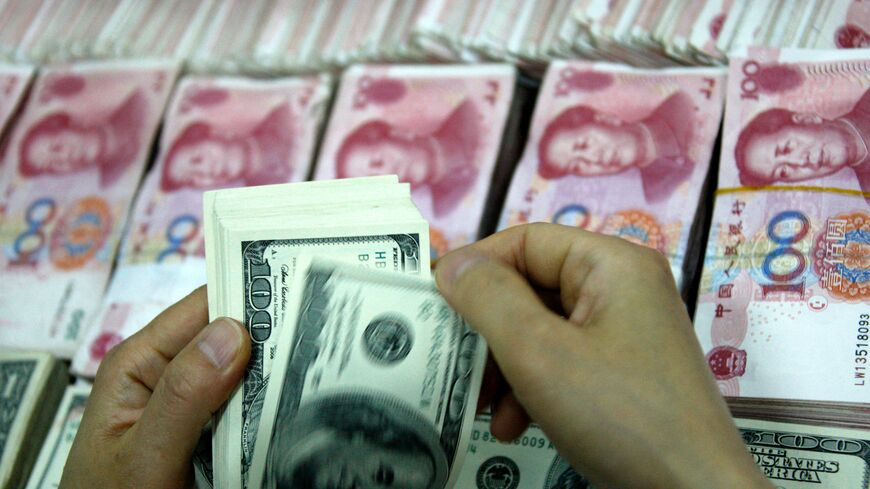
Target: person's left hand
(153,395)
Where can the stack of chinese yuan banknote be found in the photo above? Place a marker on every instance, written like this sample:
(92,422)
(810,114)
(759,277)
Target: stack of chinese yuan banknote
(73,161)
(217,132)
(782,312)
(621,151)
(32,385)
(284,36)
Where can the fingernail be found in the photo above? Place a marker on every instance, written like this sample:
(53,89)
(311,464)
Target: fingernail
(221,342)
(452,266)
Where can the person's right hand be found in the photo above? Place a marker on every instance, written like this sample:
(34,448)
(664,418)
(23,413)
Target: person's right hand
(620,386)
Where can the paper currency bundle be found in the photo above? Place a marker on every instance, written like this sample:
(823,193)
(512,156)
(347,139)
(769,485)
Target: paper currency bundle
(438,127)
(375,382)
(792,456)
(254,240)
(783,305)
(49,466)
(32,385)
(74,161)
(218,132)
(620,151)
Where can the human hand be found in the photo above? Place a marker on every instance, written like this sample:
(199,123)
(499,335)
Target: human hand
(620,386)
(152,396)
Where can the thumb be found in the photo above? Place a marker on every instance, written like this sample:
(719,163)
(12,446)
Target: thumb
(193,386)
(499,303)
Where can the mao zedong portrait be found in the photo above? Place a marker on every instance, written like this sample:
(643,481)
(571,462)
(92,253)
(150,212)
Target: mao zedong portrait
(355,440)
(443,161)
(584,142)
(58,144)
(781,146)
(202,157)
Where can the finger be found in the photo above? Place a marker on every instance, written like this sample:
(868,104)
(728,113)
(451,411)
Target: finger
(551,256)
(146,353)
(499,303)
(509,419)
(193,386)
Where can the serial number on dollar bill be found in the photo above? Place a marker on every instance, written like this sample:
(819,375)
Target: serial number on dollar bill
(861,351)
(524,441)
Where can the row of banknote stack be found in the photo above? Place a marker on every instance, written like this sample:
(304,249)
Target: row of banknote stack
(281,36)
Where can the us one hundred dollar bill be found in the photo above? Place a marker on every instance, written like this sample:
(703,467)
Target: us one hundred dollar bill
(792,456)
(375,384)
(254,240)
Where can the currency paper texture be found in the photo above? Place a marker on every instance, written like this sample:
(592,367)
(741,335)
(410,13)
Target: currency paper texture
(438,127)
(782,310)
(620,151)
(376,382)
(75,159)
(218,132)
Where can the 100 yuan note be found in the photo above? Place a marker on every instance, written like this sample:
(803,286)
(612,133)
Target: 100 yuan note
(621,151)
(75,159)
(783,303)
(272,263)
(438,127)
(376,383)
(49,466)
(218,133)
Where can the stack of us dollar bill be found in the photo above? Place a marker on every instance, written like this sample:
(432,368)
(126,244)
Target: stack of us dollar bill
(31,385)
(52,458)
(355,355)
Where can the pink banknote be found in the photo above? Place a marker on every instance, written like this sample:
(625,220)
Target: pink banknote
(14,80)
(783,309)
(218,132)
(438,127)
(620,151)
(844,24)
(75,159)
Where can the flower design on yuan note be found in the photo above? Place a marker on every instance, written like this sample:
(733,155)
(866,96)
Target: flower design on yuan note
(841,256)
(636,226)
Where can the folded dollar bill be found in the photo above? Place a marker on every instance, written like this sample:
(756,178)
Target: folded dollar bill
(375,383)
(49,466)
(32,385)
(254,240)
